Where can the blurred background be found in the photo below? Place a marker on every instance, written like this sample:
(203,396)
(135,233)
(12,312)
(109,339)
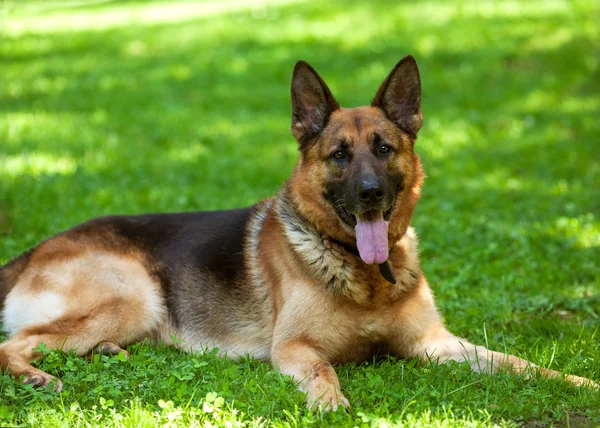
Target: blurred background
(152,106)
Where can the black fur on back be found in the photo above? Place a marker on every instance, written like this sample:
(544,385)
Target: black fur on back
(184,248)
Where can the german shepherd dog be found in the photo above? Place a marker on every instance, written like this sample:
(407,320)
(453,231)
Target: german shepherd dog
(324,272)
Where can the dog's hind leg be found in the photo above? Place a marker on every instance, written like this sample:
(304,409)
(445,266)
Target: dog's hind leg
(17,353)
(15,357)
(76,304)
(109,348)
(100,331)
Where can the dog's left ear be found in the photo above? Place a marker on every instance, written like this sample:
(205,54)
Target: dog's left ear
(399,96)
(312,102)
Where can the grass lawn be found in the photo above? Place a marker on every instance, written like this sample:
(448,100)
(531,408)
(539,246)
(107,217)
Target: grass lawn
(131,107)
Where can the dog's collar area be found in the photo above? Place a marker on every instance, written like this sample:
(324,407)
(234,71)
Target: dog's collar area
(286,210)
(386,272)
(384,268)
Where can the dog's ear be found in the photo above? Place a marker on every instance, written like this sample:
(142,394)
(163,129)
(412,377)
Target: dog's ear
(312,102)
(399,96)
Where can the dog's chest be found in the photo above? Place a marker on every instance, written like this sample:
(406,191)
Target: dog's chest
(360,339)
(373,328)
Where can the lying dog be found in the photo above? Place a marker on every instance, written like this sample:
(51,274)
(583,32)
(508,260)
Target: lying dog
(324,272)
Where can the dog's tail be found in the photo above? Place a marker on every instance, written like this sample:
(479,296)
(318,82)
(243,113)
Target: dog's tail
(10,273)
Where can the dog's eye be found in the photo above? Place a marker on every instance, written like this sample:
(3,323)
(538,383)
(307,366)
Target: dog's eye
(338,155)
(384,148)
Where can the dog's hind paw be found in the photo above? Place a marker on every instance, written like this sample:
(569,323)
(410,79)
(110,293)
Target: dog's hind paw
(109,348)
(39,379)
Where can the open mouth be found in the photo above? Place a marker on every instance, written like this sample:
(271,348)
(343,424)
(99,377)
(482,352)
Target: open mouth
(372,237)
(350,218)
(371,228)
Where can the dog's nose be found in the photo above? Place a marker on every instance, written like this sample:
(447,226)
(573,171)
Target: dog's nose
(370,192)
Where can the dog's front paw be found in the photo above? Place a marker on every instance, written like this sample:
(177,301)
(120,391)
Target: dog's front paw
(582,381)
(328,401)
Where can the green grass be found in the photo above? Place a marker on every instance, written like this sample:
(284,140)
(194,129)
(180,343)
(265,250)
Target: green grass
(130,107)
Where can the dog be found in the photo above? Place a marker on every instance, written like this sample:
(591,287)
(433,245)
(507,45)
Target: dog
(325,272)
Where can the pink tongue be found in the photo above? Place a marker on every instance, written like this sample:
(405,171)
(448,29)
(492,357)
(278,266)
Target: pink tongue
(372,237)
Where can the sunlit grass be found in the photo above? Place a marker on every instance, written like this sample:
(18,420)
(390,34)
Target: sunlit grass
(582,231)
(35,164)
(40,18)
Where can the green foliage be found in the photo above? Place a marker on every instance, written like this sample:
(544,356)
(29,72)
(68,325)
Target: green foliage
(131,106)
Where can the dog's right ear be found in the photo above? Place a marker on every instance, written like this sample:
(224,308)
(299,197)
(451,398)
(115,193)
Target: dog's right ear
(312,102)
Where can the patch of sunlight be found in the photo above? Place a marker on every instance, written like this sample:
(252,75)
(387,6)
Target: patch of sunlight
(549,40)
(583,230)
(127,14)
(40,85)
(428,44)
(582,289)
(42,127)
(49,5)
(537,99)
(580,104)
(239,127)
(340,25)
(514,8)
(189,153)
(563,187)
(443,417)
(212,411)
(500,179)
(541,100)
(336,26)
(36,164)
(441,138)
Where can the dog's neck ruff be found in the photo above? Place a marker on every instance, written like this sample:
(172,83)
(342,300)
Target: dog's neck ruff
(323,255)
(384,268)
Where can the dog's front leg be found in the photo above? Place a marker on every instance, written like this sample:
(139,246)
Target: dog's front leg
(439,345)
(419,333)
(315,376)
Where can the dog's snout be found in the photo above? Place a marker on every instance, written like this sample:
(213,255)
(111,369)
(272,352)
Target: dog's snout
(370,192)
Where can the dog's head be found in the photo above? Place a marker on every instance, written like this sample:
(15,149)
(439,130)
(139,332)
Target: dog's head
(358,178)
